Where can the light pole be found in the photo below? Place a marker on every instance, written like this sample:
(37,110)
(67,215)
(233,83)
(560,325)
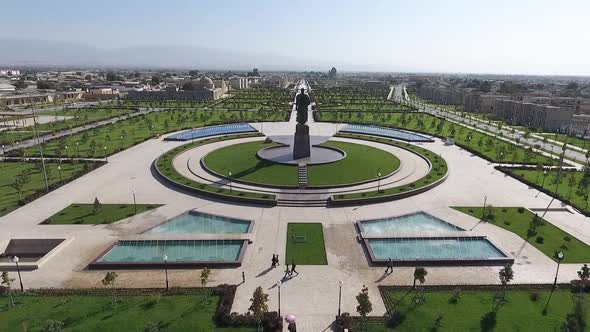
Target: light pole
(105,154)
(134,203)
(165,258)
(121,142)
(78,149)
(59,170)
(67,154)
(483,212)
(15,260)
(339,296)
(544,176)
(379,182)
(279,286)
(230,181)
(560,256)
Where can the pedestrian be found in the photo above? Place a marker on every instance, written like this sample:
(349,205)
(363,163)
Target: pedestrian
(273,263)
(243,277)
(292,327)
(278,262)
(389,268)
(287,271)
(293,268)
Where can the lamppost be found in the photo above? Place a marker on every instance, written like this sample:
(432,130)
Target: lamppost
(134,203)
(67,154)
(560,256)
(165,258)
(230,181)
(339,296)
(379,182)
(105,154)
(121,142)
(279,286)
(78,149)
(483,212)
(59,170)
(15,260)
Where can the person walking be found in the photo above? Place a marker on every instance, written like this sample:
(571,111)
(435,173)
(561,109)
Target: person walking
(293,268)
(277,260)
(243,277)
(287,271)
(292,327)
(389,268)
(273,262)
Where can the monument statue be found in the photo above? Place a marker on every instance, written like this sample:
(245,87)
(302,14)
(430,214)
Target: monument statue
(301,146)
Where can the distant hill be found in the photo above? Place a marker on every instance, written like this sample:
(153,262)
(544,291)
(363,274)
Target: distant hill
(40,53)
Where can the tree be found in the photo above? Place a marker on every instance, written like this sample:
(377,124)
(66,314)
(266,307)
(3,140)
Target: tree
(20,84)
(505,275)
(113,77)
(45,85)
(156,79)
(584,275)
(205,274)
(7,282)
(254,73)
(419,275)
(193,73)
(571,183)
(572,86)
(18,186)
(88,77)
(154,327)
(109,281)
(364,306)
(259,304)
(96,206)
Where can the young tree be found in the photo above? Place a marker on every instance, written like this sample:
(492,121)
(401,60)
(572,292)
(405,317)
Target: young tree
(505,275)
(364,306)
(53,326)
(7,282)
(259,304)
(584,275)
(96,206)
(109,281)
(419,275)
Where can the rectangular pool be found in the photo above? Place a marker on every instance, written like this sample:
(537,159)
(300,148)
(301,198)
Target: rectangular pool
(197,222)
(410,223)
(232,128)
(181,253)
(475,250)
(385,132)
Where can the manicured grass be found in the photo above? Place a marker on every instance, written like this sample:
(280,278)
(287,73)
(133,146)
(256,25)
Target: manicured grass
(570,140)
(96,313)
(438,171)
(108,213)
(487,146)
(165,167)
(554,239)
(574,185)
(519,314)
(133,131)
(361,163)
(78,117)
(308,250)
(9,197)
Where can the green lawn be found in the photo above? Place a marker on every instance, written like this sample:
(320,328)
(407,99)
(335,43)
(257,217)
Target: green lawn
(310,248)
(574,185)
(491,147)
(554,239)
(9,196)
(439,169)
(361,163)
(126,133)
(570,140)
(95,313)
(519,314)
(77,118)
(108,213)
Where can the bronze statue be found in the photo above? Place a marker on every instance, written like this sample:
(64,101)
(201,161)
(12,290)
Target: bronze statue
(301,103)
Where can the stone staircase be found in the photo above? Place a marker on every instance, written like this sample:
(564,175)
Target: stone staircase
(302,176)
(302,202)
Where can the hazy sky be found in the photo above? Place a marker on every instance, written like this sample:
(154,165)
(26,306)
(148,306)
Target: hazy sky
(516,36)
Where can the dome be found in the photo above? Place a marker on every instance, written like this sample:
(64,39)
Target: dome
(205,83)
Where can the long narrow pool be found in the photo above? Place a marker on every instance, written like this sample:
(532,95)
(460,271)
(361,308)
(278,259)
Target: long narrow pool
(410,223)
(477,250)
(197,222)
(182,252)
(233,128)
(385,132)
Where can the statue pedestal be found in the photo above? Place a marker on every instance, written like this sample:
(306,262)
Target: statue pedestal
(301,147)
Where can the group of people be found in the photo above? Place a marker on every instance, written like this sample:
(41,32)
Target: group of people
(288,271)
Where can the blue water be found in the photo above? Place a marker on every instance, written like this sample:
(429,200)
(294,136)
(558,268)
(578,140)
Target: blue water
(196,222)
(434,248)
(410,223)
(212,131)
(385,132)
(138,251)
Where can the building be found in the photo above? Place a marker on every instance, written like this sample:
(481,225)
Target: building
(581,125)
(102,93)
(201,90)
(440,94)
(530,115)
(238,83)
(9,72)
(41,98)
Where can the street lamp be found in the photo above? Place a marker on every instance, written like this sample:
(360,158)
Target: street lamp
(134,203)
(560,256)
(483,212)
(544,176)
(379,182)
(165,258)
(105,154)
(67,154)
(15,260)
(78,149)
(279,286)
(59,170)
(339,296)
(230,181)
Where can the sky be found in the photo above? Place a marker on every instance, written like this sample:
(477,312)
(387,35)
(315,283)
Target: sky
(508,37)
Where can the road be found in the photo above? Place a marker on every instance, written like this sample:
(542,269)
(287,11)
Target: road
(552,147)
